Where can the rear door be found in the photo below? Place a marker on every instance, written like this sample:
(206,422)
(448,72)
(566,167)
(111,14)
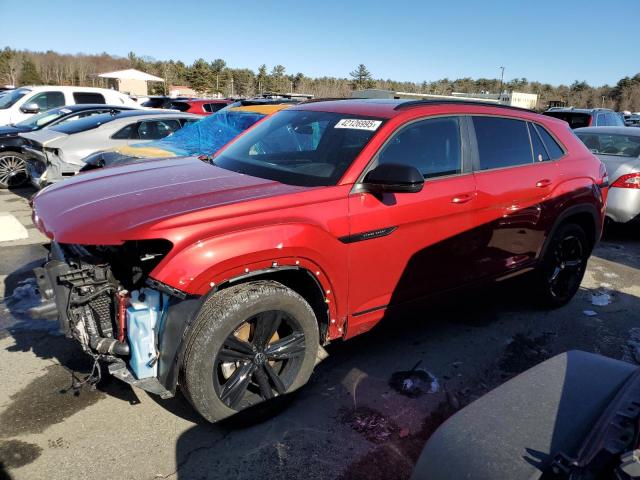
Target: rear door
(515,176)
(403,246)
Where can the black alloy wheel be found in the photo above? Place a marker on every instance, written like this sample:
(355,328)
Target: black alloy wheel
(259,360)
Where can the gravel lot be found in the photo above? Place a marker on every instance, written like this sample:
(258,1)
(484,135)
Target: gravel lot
(366,413)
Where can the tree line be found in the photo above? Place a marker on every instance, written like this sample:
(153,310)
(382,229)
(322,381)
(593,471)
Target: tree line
(24,67)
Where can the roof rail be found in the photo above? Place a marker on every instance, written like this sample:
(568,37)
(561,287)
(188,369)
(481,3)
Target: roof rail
(421,103)
(325,99)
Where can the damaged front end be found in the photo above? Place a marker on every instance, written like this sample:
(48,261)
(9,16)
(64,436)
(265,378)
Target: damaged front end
(100,298)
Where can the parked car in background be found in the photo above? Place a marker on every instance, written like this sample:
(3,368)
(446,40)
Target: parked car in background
(19,104)
(13,167)
(310,227)
(58,152)
(202,138)
(161,101)
(574,416)
(587,117)
(632,120)
(619,149)
(200,106)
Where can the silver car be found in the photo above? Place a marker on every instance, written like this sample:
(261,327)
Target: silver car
(59,151)
(619,149)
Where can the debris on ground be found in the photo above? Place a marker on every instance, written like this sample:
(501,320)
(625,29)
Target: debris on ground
(24,296)
(414,383)
(523,352)
(590,313)
(374,426)
(601,298)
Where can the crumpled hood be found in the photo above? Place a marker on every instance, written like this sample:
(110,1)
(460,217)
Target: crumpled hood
(109,206)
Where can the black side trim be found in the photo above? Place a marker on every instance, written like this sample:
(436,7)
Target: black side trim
(164,288)
(369,310)
(359,237)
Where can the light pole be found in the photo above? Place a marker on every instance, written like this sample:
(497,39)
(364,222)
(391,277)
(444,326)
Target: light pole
(501,79)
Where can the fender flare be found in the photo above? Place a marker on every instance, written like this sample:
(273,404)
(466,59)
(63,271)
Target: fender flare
(180,316)
(570,211)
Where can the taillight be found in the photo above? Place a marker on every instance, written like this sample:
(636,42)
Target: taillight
(630,180)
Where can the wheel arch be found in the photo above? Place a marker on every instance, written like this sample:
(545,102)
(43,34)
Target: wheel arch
(584,215)
(180,314)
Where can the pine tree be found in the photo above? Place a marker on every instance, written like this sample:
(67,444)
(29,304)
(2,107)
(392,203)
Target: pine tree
(362,78)
(29,74)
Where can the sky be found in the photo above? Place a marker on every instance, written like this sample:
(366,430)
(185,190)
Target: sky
(551,41)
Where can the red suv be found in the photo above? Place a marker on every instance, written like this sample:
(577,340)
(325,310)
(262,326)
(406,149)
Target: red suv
(200,107)
(228,275)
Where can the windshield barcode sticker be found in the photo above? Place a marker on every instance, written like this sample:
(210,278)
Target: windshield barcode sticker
(358,124)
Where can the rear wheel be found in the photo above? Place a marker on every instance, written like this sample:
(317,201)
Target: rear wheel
(563,266)
(249,343)
(13,170)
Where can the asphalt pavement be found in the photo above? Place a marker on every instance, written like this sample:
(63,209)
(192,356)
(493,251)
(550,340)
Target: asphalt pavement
(366,413)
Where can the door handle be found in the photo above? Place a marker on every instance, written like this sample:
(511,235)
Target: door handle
(545,182)
(462,198)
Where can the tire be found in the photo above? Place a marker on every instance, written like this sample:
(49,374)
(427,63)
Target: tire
(13,170)
(558,278)
(219,382)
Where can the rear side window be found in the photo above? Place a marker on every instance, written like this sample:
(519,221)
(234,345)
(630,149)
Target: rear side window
(157,129)
(47,100)
(88,97)
(539,151)
(181,106)
(601,120)
(555,151)
(213,107)
(432,146)
(124,133)
(502,142)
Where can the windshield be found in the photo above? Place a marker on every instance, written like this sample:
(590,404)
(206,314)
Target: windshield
(207,136)
(300,147)
(12,97)
(574,119)
(608,144)
(41,119)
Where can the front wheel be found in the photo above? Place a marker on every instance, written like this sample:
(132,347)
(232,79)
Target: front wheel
(13,170)
(249,343)
(563,266)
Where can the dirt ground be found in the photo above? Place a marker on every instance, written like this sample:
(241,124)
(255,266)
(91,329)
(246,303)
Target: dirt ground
(366,413)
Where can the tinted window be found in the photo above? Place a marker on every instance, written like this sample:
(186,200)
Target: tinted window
(574,119)
(607,144)
(539,152)
(299,147)
(502,142)
(88,97)
(181,106)
(555,151)
(47,100)
(601,120)
(432,146)
(11,97)
(213,107)
(83,124)
(157,129)
(124,133)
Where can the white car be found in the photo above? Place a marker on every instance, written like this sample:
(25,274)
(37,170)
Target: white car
(59,151)
(19,104)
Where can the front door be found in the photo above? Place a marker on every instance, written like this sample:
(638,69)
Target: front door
(405,245)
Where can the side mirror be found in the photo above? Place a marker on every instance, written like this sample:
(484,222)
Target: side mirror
(393,178)
(30,108)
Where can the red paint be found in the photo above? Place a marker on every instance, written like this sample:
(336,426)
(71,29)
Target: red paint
(223,224)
